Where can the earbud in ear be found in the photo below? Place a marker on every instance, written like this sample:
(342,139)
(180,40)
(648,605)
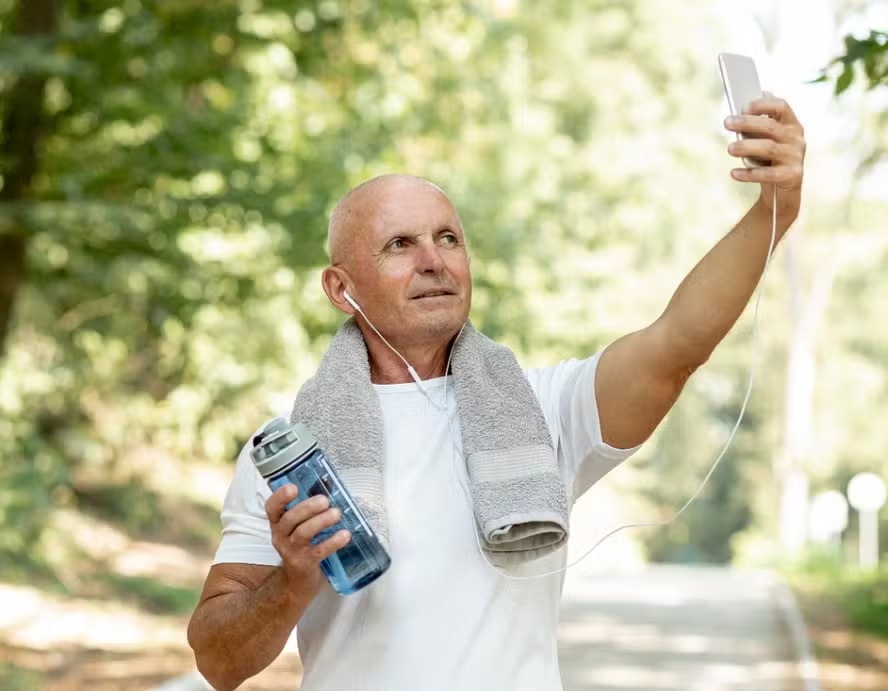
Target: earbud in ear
(350,300)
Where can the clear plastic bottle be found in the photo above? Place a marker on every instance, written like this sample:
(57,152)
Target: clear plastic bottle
(289,454)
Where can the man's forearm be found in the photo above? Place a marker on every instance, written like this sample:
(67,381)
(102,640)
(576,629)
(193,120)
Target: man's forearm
(712,297)
(238,634)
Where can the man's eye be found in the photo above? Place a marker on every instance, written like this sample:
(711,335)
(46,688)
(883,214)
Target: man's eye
(449,239)
(397,244)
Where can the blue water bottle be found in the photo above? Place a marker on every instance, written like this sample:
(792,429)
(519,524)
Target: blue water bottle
(289,454)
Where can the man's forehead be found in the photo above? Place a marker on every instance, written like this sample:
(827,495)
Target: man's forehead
(383,205)
(408,204)
(388,195)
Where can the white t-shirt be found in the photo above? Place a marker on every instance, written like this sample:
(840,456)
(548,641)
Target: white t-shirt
(440,617)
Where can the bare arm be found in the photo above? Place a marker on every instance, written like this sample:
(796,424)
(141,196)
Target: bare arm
(245,616)
(247,612)
(641,375)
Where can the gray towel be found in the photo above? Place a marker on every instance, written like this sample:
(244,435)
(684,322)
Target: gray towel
(519,498)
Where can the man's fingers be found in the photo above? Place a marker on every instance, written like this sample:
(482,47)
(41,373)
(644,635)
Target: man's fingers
(775,107)
(300,513)
(778,138)
(786,177)
(766,150)
(764,127)
(276,504)
(336,541)
(277,512)
(307,529)
(768,117)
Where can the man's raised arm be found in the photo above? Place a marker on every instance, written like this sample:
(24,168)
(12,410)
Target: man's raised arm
(640,376)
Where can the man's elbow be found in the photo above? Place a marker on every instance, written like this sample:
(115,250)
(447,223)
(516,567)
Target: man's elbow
(217,670)
(685,372)
(680,351)
(214,674)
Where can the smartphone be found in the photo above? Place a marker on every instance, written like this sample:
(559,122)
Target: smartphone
(742,86)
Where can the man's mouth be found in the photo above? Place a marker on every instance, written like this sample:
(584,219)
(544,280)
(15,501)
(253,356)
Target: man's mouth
(432,294)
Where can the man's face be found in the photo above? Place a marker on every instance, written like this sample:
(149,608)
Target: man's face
(409,264)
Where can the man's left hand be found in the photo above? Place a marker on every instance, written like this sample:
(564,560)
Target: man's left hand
(779,139)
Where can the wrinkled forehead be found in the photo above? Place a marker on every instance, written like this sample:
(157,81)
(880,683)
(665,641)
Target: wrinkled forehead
(382,208)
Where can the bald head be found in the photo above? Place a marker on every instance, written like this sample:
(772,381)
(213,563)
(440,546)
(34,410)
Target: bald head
(358,212)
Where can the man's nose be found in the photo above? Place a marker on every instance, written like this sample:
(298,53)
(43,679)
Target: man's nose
(429,258)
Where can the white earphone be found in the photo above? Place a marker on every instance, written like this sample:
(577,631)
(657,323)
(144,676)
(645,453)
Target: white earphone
(351,301)
(412,372)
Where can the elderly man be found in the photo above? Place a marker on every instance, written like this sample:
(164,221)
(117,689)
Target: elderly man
(452,612)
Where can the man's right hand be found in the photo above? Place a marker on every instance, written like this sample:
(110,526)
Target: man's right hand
(293,530)
(247,611)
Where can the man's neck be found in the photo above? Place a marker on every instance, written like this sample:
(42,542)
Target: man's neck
(429,360)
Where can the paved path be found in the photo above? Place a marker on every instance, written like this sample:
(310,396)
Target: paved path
(664,629)
(675,629)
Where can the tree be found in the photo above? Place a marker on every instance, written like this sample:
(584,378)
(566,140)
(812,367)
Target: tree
(869,54)
(22,129)
(190,153)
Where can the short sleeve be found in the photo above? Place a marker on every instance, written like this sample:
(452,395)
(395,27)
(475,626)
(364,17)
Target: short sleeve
(246,536)
(567,396)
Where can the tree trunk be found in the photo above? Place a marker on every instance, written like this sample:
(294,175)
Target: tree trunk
(21,130)
(807,311)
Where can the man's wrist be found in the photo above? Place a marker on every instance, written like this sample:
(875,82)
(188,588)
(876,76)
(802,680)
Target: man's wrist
(294,590)
(788,204)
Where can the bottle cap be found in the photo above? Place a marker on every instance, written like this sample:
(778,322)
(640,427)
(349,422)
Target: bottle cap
(279,443)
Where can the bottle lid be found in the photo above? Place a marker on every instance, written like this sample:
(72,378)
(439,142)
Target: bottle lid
(279,443)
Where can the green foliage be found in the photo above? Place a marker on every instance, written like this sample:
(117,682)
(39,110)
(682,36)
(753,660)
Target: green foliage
(14,678)
(869,54)
(862,595)
(175,224)
(151,595)
(176,220)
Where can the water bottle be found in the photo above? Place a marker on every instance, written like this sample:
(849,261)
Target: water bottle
(289,454)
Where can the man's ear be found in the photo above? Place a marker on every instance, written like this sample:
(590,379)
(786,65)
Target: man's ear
(335,282)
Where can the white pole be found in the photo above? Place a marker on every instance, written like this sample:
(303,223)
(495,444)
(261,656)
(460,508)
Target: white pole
(869,540)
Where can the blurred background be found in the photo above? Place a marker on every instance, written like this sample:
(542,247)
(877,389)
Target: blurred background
(167,169)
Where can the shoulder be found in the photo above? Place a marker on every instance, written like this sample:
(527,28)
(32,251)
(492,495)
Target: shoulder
(551,382)
(566,393)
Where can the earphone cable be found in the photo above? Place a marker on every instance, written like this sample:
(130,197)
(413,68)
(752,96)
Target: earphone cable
(658,524)
(674,517)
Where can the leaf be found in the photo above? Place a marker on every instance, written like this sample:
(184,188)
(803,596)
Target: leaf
(871,67)
(871,51)
(845,79)
(22,56)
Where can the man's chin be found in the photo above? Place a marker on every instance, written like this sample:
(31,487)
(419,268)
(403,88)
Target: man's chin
(438,325)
